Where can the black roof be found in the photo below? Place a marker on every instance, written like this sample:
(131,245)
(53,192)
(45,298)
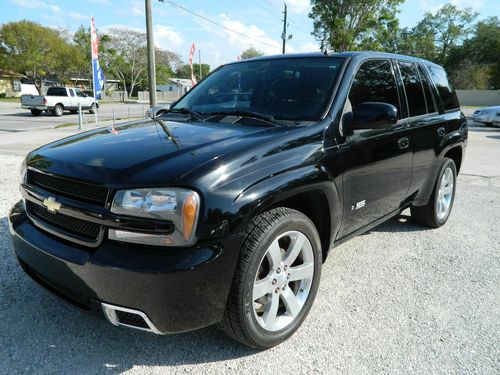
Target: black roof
(350,54)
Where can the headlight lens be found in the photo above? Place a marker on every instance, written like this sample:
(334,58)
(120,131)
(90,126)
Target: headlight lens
(180,206)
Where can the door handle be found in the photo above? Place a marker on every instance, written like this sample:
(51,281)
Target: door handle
(441,131)
(403,143)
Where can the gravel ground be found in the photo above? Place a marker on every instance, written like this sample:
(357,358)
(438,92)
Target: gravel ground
(399,299)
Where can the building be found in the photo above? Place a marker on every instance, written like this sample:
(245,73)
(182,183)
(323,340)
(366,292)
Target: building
(10,84)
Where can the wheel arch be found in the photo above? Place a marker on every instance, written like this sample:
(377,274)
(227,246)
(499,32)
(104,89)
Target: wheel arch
(455,154)
(309,190)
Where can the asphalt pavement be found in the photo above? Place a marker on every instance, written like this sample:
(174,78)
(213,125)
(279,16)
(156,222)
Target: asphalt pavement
(13,118)
(400,299)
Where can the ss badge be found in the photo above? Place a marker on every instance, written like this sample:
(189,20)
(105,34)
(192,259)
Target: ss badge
(358,205)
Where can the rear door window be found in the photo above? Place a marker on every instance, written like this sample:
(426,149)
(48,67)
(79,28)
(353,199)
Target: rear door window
(429,97)
(444,88)
(374,82)
(413,87)
(71,92)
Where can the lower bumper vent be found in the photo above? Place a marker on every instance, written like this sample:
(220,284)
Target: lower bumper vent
(123,316)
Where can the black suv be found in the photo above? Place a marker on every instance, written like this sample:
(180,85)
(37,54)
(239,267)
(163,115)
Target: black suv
(223,209)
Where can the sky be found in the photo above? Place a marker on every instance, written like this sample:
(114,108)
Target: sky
(258,22)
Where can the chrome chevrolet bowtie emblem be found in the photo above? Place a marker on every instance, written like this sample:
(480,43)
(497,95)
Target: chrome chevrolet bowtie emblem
(51,204)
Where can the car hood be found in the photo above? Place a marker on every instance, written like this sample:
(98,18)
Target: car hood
(144,153)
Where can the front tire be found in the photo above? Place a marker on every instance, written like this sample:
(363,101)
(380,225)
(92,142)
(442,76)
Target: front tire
(276,280)
(437,211)
(93,109)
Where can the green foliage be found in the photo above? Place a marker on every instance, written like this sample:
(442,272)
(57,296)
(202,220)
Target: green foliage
(250,53)
(33,50)
(184,71)
(342,25)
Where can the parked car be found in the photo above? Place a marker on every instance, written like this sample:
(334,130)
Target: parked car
(496,118)
(225,214)
(486,115)
(58,100)
(156,110)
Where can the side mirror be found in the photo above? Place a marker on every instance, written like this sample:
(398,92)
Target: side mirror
(372,115)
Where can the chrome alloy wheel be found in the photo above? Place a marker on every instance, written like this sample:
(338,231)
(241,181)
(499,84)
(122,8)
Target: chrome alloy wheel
(445,194)
(283,281)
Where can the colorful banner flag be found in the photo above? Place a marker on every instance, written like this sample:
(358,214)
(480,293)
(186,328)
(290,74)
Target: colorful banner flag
(191,54)
(97,73)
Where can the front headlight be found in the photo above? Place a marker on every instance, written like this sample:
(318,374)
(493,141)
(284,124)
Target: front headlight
(180,206)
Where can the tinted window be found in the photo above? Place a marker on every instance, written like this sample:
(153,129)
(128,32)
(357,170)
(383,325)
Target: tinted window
(57,91)
(413,88)
(374,82)
(429,97)
(71,92)
(288,89)
(80,94)
(445,90)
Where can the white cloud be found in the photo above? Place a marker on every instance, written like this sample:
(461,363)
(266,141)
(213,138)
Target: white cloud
(309,47)
(36,4)
(137,10)
(167,37)
(256,37)
(78,16)
(299,6)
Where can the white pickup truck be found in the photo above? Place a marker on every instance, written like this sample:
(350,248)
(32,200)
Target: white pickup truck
(57,100)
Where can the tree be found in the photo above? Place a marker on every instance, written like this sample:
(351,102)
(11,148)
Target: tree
(343,24)
(444,30)
(471,76)
(251,53)
(166,63)
(33,50)
(127,57)
(184,71)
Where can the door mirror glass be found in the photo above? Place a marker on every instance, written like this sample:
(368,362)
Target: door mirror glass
(371,115)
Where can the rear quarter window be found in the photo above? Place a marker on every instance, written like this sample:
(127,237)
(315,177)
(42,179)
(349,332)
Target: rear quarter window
(444,88)
(56,91)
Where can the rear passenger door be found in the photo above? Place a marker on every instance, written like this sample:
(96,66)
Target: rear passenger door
(428,124)
(377,162)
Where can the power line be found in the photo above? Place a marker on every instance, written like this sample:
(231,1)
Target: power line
(217,24)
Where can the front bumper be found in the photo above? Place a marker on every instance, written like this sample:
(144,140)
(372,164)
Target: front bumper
(178,289)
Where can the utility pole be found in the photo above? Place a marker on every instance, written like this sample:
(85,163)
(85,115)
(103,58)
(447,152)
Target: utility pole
(151,55)
(283,36)
(199,59)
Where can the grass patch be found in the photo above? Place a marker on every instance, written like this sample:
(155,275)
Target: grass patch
(10,100)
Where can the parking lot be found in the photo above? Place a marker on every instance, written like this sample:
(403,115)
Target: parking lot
(398,299)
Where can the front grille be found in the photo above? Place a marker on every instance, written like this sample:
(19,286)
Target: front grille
(69,188)
(69,224)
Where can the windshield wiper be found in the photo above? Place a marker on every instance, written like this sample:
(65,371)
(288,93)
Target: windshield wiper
(187,111)
(250,114)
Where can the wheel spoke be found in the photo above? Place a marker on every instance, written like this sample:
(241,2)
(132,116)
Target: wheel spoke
(294,249)
(291,303)
(448,189)
(274,254)
(271,310)
(262,287)
(302,272)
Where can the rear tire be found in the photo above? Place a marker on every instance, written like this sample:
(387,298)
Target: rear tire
(36,112)
(276,279)
(437,211)
(58,110)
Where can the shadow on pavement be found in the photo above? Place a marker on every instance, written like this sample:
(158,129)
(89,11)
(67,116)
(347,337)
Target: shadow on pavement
(493,136)
(43,333)
(399,223)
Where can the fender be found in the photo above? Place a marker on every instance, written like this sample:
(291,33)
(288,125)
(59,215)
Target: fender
(268,193)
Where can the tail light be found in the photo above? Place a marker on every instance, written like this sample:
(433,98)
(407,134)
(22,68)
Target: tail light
(44,100)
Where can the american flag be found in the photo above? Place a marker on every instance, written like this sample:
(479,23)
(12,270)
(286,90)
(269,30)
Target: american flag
(191,54)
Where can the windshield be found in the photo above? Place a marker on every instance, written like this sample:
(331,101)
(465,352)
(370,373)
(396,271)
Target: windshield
(296,89)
